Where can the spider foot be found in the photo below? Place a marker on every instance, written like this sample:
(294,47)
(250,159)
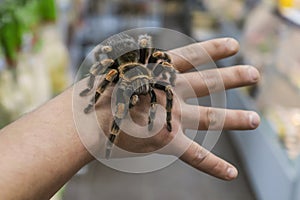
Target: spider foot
(88,109)
(84,92)
(169,126)
(109,145)
(107,153)
(150,126)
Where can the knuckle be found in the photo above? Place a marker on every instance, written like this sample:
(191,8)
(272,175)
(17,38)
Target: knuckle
(199,155)
(217,45)
(191,54)
(211,81)
(217,167)
(214,119)
(241,72)
(211,117)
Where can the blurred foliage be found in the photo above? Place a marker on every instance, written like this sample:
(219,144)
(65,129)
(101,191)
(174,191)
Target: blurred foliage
(18,17)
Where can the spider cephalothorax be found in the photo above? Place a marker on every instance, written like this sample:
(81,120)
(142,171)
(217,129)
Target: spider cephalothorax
(138,71)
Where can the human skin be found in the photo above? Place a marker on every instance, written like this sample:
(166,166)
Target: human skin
(42,150)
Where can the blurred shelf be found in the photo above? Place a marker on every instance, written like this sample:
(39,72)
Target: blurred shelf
(272,174)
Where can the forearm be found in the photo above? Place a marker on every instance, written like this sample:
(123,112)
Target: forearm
(41,151)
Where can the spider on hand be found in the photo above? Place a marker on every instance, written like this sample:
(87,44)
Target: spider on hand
(138,71)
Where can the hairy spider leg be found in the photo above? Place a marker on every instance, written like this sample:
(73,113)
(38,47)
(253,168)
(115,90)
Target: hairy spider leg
(151,62)
(145,54)
(168,68)
(103,61)
(159,56)
(109,78)
(163,66)
(153,108)
(169,96)
(120,113)
(102,52)
(162,69)
(145,45)
(133,100)
(97,69)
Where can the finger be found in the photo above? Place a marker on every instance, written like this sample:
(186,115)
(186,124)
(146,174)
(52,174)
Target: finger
(193,55)
(201,159)
(204,118)
(214,80)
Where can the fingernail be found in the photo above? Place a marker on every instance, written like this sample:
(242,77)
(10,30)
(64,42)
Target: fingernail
(231,44)
(254,119)
(253,74)
(231,173)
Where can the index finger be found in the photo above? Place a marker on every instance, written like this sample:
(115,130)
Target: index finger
(188,57)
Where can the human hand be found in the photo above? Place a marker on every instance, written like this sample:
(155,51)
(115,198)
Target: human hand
(136,138)
(41,151)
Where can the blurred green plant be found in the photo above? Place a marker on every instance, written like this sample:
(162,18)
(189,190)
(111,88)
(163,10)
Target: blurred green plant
(18,17)
(10,30)
(47,10)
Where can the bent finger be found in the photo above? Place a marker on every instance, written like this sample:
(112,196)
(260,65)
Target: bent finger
(188,57)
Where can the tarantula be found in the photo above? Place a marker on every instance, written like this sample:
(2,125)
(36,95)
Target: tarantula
(139,71)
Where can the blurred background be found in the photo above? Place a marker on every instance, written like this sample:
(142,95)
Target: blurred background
(43,43)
